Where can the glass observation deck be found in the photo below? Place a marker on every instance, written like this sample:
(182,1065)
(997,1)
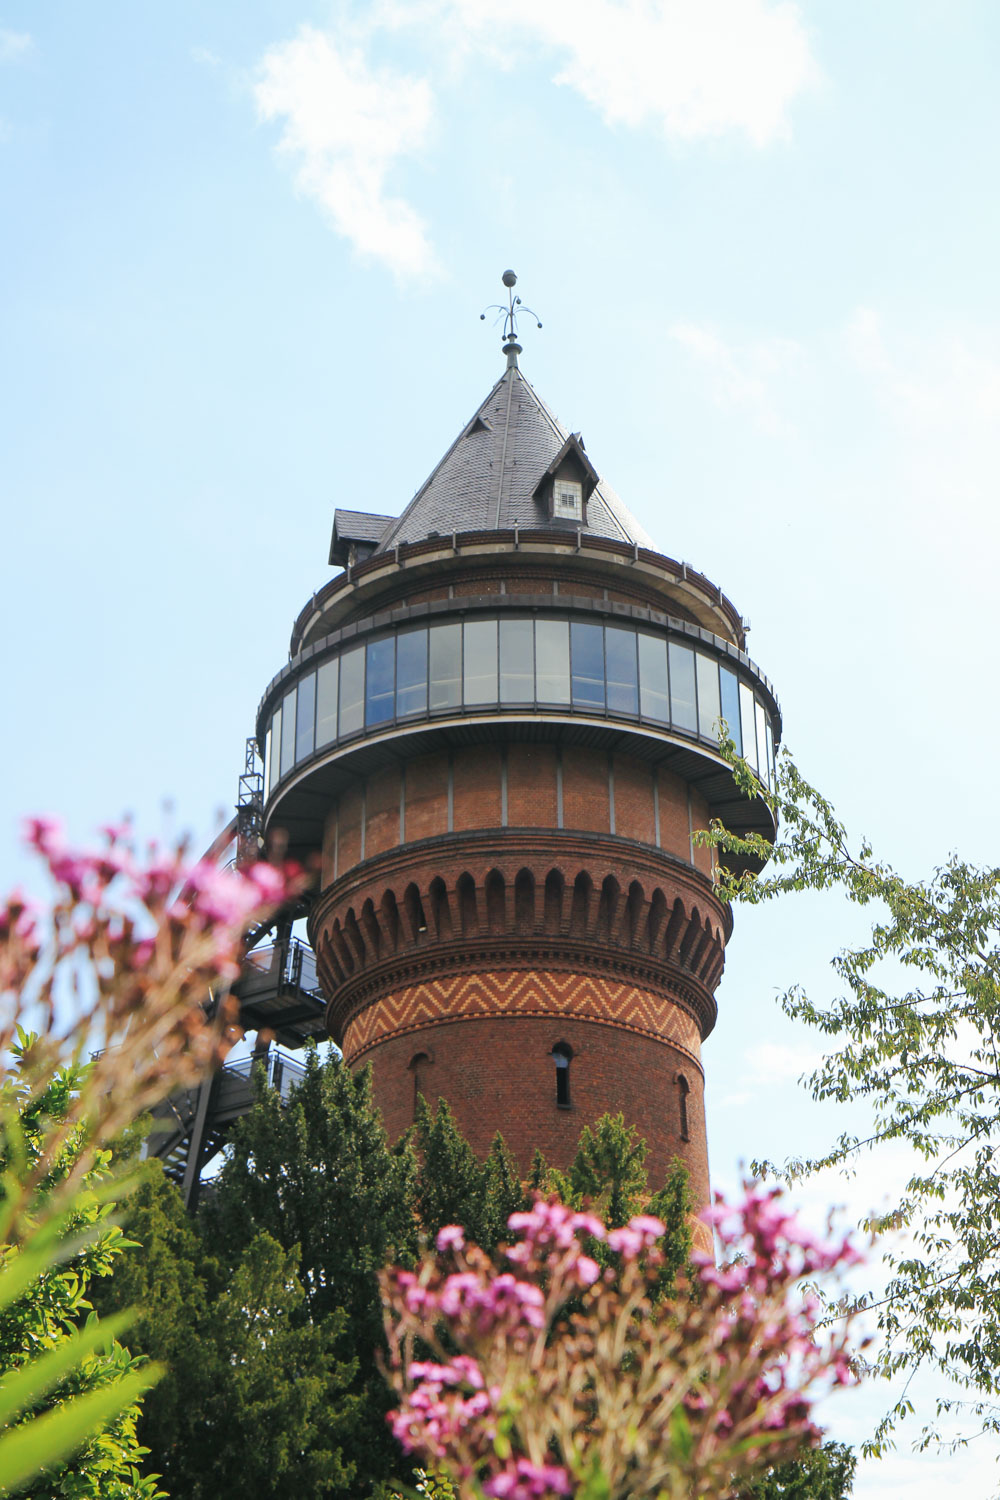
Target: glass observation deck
(680,681)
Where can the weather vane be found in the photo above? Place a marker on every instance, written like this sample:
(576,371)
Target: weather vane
(509,313)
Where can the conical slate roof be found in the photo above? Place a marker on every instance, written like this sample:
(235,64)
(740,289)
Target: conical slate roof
(487,480)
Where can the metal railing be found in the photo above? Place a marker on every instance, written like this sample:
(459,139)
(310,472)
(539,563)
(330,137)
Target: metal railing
(292,963)
(283,1073)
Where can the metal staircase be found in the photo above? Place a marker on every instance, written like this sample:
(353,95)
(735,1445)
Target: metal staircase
(279,998)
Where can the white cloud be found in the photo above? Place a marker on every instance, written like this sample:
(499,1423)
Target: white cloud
(693,69)
(741,377)
(690,69)
(346,124)
(13,44)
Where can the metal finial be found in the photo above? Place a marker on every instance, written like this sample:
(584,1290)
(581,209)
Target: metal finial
(509,314)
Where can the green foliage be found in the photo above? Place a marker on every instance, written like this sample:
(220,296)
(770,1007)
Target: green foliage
(450,1180)
(915,1038)
(68,1390)
(265,1393)
(609,1170)
(824,1473)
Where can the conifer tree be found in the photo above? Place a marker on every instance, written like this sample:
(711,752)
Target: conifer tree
(451,1185)
(255,1399)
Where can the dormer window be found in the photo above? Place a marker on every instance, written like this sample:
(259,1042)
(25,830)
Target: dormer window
(568,500)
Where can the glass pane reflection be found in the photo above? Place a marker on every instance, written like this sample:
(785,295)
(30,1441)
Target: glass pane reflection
(683,711)
(587,647)
(654,697)
(327,680)
(731,706)
(305,718)
(480,648)
(749,725)
(380,681)
(411,672)
(623,680)
(709,707)
(516,661)
(287,732)
(446,666)
(352,691)
(552,661)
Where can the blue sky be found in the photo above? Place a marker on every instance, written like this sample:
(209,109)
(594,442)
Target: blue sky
(244,250)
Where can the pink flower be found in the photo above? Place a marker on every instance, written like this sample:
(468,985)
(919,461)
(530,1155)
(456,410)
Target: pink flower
(587,1270)
(526,1480)
(451,1237)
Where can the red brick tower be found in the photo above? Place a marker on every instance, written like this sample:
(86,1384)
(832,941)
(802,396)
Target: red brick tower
(498,725)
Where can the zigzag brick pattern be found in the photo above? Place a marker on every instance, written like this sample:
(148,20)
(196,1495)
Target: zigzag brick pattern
(519,993)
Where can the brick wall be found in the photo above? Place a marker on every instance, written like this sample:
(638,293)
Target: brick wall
(498,1073)
(532,801)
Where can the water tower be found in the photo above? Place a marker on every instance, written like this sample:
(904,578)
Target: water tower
(498,731)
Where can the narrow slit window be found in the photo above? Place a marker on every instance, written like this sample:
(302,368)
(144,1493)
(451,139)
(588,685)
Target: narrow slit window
(683,1089)
(561,1054)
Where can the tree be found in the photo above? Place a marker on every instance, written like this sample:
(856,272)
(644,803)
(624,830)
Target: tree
(256,1396)
(824,1473)
(318,1175)
(916,1035)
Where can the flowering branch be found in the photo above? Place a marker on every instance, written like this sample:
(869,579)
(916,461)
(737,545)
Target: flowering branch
(549,1376)
(131,962)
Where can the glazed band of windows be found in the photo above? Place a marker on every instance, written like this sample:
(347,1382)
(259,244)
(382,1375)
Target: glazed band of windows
(612,670)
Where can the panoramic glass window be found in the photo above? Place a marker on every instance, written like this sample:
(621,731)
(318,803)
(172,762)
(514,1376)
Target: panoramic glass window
(287,732)
(552,661)
(683,707)
(587,655)
(480,658)
(623,677)
(305,717)
(380,681)
(411,672)
(445,666)
(612,669)
(327,682)
(352,691)
(517,677)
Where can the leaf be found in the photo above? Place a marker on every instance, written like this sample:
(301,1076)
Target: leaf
(680,1434)
(27,1385)
(38,1444)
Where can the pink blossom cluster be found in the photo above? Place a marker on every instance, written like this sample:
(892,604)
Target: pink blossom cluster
(127,958)
(181,898)
(550,1354)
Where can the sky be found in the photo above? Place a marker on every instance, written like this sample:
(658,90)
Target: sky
(244,249)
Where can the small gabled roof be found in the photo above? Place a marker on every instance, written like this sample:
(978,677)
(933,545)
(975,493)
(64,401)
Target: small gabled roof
(357,527)
(489,478)
(573,445)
